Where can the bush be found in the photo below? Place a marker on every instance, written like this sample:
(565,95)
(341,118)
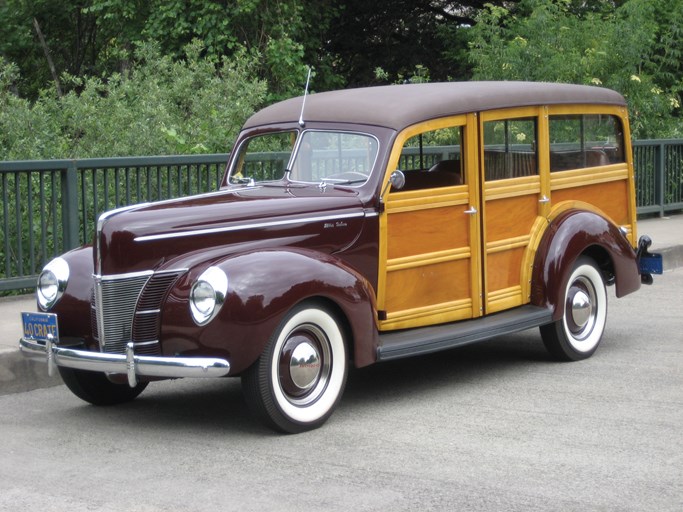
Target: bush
(161,106)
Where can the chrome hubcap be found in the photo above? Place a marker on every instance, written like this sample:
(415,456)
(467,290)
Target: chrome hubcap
(581,308)
(304,365)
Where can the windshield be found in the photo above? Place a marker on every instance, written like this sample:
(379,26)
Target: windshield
(321,156)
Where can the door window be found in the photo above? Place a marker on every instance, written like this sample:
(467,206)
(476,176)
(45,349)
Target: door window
(433,159)
(510,148)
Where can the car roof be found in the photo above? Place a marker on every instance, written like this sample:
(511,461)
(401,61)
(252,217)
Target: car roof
(399,106)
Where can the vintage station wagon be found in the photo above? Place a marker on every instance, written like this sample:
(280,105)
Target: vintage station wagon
(354,227)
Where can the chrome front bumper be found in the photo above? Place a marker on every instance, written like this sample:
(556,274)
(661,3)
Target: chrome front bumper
(128,364)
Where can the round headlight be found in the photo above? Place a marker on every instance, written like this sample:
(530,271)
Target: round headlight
(203,298)
(208,294)
(52,283)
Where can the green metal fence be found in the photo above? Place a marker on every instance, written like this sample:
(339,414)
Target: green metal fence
(49,207)
(659,175)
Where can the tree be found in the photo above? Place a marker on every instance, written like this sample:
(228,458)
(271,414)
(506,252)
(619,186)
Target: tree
(70,38)
(619,47)
(400,36)
(279,32)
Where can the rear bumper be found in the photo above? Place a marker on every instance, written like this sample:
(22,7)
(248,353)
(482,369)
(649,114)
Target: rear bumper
(127,364)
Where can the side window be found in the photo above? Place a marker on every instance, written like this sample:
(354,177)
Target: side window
(433,159)
(510,148)
(578,141)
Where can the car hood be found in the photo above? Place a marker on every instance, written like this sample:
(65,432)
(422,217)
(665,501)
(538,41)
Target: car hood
(148,236)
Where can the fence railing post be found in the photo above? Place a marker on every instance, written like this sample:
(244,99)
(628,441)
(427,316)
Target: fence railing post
(70,206)
(660,176)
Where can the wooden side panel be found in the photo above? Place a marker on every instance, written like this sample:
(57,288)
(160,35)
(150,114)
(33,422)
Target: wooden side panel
(428,285)
(427,231)
(429,263)
(610,197)
(509,223)
(510,217)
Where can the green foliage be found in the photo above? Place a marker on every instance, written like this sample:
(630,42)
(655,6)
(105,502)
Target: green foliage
(277,32)
(162,106)
(619,48)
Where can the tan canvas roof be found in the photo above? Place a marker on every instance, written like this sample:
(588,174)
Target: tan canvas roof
(398,106)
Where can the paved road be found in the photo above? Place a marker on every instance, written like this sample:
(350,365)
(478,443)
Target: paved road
(495,426)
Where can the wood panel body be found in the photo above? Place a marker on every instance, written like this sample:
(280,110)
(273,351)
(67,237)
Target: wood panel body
(440,264)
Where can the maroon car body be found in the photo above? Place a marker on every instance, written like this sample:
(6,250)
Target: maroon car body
(286,278)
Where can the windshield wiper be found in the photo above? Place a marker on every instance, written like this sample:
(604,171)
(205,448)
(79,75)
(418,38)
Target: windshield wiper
(341,181)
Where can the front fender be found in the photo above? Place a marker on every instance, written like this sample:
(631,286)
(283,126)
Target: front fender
(73,309)
(570,235)
(262,287)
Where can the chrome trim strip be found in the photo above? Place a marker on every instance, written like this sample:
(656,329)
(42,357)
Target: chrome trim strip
(126,364)
(148,312)
(211,231)
(145,343)
(100,224)
(99,317)
(130,275)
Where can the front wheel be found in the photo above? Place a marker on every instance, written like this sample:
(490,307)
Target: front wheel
(97,389)
(578,333)
(300,377)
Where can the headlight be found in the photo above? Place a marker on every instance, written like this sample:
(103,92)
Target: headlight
(52,283)
(208,295)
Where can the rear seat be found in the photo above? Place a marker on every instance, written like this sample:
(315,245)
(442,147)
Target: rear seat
(445,173)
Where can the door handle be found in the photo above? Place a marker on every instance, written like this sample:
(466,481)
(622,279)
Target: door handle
(544,199)
(471,211)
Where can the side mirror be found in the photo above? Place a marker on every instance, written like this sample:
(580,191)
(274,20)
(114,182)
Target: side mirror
(397,180)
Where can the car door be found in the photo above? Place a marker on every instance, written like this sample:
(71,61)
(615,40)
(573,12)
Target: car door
(429,268)
(515,201)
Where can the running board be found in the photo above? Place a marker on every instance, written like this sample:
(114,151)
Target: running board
(426,340)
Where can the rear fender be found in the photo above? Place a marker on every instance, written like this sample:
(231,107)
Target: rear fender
(571,234)
(262,287)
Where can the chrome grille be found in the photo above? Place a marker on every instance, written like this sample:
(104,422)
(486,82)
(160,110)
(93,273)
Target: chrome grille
(147,319)
(127,308)
(115,301)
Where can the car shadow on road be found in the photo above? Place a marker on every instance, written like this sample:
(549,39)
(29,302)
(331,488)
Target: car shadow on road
(481,361)
(217,407)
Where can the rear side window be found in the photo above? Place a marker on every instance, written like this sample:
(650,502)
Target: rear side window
(578,141)
(510,148)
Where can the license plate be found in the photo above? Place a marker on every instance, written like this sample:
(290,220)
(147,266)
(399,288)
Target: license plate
(40,326)
(651,264)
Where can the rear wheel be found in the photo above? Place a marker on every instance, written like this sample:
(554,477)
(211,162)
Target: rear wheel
(300,377)
(578,333)
(95,388)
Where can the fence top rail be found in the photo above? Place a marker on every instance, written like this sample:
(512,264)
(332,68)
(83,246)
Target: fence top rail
(33,165)
(91,163)
(658,142)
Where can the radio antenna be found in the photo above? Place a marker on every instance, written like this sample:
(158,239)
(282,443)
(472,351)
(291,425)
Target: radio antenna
(303,104)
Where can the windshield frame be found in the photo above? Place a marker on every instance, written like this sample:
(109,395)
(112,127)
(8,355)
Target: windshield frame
(239,156)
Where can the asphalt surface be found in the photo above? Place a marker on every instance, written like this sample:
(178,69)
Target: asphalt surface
(495,426)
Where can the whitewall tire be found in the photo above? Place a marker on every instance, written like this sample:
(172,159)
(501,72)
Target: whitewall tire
(300,377)
(578,333)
